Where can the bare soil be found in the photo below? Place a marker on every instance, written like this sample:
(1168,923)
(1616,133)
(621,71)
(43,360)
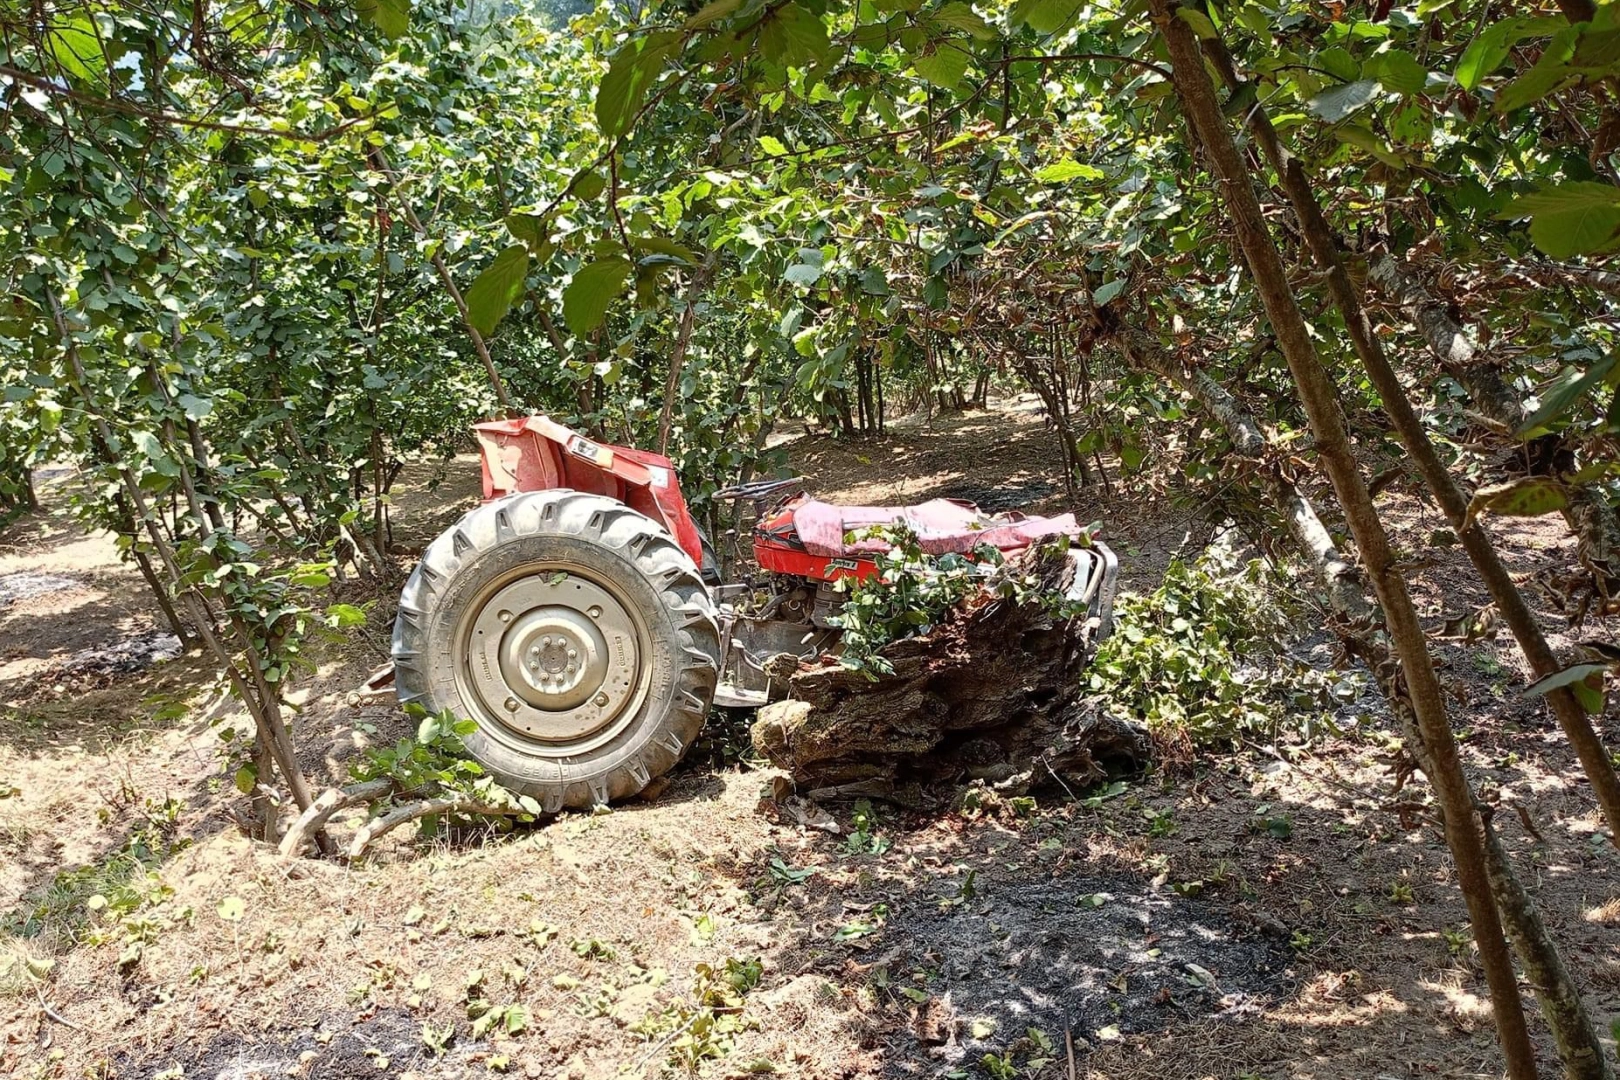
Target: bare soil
(1279,911)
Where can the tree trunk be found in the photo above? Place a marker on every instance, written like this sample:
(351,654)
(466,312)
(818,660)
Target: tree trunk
(1320,399)
(990,694)
(449,282)
(1561,1003)
(677,357)
(1338,579)
(270,728)
(1325,247)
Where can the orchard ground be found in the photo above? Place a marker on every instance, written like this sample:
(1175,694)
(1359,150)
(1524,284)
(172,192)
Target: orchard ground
(1280,911)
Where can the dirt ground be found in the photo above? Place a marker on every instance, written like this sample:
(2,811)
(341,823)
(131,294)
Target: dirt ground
(1278,912)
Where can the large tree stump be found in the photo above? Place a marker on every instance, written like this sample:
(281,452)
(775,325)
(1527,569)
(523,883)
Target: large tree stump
(994,693)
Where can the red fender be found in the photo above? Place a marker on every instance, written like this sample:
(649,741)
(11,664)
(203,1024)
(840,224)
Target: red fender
(536,453)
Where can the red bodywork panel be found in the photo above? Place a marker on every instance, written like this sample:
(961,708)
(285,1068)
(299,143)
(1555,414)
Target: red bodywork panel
(536,453)
(777,548)
(809,538)
(800,537)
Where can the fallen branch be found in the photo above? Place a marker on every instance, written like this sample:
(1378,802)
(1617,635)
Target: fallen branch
(52,1013)
(327,804)
(450,804)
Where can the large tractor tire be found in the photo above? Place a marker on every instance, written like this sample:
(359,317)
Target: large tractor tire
(574,631)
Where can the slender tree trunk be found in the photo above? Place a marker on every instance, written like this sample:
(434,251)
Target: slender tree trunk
(1464,831)
(877,377)
(1560,1000)
(1324,245)
(1338,579)
(271,730)
(677,356)
(1591,517)
(479,345)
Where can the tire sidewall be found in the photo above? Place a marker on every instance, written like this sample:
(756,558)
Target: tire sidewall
(515,760)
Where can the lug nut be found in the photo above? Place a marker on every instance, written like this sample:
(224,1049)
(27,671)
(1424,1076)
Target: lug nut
(594,611)
(505,616)
(573,654)
(601,699)
(511,704)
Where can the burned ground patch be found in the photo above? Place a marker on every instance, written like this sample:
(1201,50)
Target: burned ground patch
(123,656)
(383,1044)
(1002,497)
(26,585)
(1015,968)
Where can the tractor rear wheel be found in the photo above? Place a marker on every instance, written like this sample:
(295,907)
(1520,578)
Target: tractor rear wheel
(574,631)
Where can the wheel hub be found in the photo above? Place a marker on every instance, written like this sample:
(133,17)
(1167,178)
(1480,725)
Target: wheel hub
(556,657)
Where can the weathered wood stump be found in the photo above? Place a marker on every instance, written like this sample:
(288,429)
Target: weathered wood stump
(995,693)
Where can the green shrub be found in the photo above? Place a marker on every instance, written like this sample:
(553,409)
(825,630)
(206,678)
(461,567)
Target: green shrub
(1202,655)
(907,597)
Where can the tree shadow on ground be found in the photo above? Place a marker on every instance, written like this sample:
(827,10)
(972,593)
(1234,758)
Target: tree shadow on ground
(1160,933)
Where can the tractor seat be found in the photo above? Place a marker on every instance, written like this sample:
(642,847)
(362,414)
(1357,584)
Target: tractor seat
(942,526)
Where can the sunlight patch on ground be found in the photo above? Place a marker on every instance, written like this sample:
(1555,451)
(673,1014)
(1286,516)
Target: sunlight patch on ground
(1607,912)
(1464,1003)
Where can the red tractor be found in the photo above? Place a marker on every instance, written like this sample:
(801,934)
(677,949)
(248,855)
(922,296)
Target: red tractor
(578,617)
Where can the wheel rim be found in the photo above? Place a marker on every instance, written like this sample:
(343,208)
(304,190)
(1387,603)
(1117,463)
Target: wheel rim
(554,656)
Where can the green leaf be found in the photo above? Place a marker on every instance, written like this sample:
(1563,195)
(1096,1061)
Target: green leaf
(1590,696)
(493,292)
(1399,72)
(1484,54)
(72,43)
(802,274)
(944,67)
(594,287)
(1044,16)
(1560,397)
(659,245)
(429,730)
(1336,104)
(1575,673)
(246,779)
(231,909)
(1358,134)
(631,72)
(392,17)
(588,185)
(793,37)
(1570,219)
(807,271)
(194,407)
(1108,291)
(1200,23)
(529,228)
(713,11)
(772,146)
(1532,86)
(1529,496)
(1598,49)
(343,615)
(1338,62)
(1068,169)
(960,16)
